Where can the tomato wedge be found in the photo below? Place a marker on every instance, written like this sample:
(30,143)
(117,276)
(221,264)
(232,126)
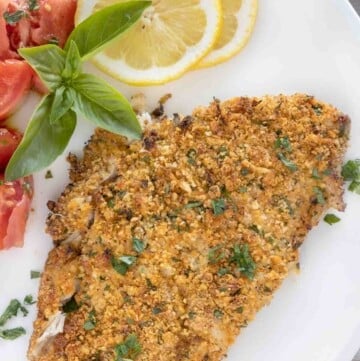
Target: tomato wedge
(15,81)
(9,140)
(15,202)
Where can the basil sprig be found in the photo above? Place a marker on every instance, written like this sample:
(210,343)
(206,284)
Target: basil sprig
(73,92)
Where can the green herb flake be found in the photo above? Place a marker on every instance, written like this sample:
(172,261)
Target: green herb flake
(244,171)
(351,170)
(243,260)
(192,315)
(223,152)
(122,264)
(243,189)
(129,349)
(138,245)
(71,306)
(10,311)
(315,174)
(156,310)
(218,314)
(283,143)
(35,274)
(222,272)
(216,254)
(28,300)
(33,5)
(288,163)
(48,174)
(239,309)
(14,17)
(319,195)
(150,285)
(13,333)
(218,206)
(318,109)
(354,187)
(331,219)
(191,156)
(90,323)
(193,204)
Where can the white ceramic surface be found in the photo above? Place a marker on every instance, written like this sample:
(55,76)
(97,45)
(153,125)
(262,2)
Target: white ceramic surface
(298,46)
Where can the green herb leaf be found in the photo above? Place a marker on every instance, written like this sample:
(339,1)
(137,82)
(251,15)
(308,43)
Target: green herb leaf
(193,204)
(48,174)
(354,187)
(129,349)
(351,170)
(71,305)
(99,29)
(35,274)
(12,334)
(242,258)
(28,300)
(319,195)
(283,143)
(42,142)
(10,311)
(33,5)
(122,264)
(62,103)
(73,64)
(90,323)
(104,106)
(315,174)
(318,109)
(331,219)
(218,313)
(138,245)
(216,254)
(219,206)
(14,17)
(48,61)
(288,163)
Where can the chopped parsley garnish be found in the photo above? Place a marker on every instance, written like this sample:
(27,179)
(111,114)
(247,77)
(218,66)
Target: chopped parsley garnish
(29,300)
(129,349)
(90,323)
(15,17)
(193,204)
(317,109)
(319,195)
(156,310)
(218,206)
(288,163)
(243,260)
(216,254)
(244,171)
(191,156)
(35,274)
(150,285)
(71,305)
(12,334)
(257,230)
(331,219)
(222,272)
(138,245)
(218,313)
(48,174)
(122,264)
(283,143)
(33,5)
(11,311)
(315,174)
(239,309)
(351,172)
(223,152)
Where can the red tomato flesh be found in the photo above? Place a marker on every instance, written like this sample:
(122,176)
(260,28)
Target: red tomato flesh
(15,202)
(15,81)
(9,140)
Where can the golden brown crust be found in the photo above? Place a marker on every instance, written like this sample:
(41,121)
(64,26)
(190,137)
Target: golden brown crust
(176,298)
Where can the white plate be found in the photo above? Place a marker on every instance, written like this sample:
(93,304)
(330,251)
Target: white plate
(298,46)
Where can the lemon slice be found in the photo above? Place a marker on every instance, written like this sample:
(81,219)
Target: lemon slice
(239,18)
(170,38)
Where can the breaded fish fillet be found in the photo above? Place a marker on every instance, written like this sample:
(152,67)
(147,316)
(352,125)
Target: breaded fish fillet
(166,247)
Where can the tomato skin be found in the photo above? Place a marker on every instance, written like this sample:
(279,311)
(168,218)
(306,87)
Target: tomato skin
(15,203)
(15,81)
(9,140)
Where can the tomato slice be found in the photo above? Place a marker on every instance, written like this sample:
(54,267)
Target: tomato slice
(15,81)
(9,140)
(15,202)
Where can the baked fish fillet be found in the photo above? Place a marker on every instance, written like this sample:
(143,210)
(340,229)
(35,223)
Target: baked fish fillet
(166,247)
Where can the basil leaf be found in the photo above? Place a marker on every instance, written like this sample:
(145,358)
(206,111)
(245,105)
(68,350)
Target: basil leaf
(42,142)
(104,106)
(12,334)
(72,63)
(62,103)
(10,311)
(105,25)
(48,61)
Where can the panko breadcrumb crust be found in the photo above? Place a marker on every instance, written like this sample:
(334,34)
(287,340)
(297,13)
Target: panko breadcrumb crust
(272,164)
